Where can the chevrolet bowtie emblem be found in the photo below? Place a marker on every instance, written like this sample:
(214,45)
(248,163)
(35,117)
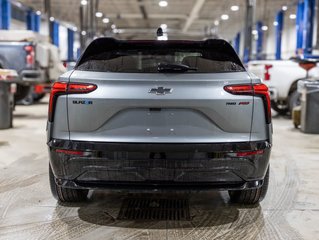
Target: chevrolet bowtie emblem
(160,90)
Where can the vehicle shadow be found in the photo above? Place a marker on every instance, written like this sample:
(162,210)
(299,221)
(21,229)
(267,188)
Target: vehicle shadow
(207,209)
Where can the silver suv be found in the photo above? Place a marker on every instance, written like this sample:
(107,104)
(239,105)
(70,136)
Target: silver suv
(159,115)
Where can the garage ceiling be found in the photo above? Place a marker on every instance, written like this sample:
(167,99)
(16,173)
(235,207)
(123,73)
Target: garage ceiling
(184,18)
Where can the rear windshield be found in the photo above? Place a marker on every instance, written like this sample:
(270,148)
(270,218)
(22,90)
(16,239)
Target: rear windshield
(130,58)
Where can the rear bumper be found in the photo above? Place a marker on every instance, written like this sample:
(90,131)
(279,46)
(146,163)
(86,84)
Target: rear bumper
(159,166)
(31,76)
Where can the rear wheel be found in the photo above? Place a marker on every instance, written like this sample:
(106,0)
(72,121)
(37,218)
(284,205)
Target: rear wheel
(66,194)
(280,107)
(250,196)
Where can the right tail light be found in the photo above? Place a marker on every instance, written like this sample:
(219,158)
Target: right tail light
(260,90)
(63,88)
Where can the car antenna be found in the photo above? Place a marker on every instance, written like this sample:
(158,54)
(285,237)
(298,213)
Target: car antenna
(159,32)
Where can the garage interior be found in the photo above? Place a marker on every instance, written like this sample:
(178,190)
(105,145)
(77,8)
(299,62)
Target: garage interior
(278,40)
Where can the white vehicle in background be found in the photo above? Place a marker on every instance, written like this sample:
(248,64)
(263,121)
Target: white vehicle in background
(281,77)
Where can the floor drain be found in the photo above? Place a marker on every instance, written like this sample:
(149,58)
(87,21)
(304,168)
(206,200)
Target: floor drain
(154,209)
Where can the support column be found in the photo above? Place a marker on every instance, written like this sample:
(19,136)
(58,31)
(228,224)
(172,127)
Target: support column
(237,43)
(30,20)
(248,29)
(299,27)
(37,22)
(308,22)
(6,14)
(54,34)
(70,44)
(259,41)
(279,28)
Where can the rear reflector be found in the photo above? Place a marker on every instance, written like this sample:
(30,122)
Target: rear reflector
(244,154)
(259,90)
(70,152)
(63,88)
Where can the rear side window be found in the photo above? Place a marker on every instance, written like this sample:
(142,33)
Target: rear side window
(146,57)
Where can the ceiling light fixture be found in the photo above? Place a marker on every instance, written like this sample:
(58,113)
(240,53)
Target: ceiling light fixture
(83,33)
(106,20)
(84,2)
(51,19)
(99,14)
(234,8)
(224,17)
(264,28)
(292,16)
(75,29)
(38,12)
(216,22)
(163,3)
(275,23)
(284,8)
(113,26)
(254,32)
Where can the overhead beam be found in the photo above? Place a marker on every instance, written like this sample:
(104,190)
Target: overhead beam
(193,15)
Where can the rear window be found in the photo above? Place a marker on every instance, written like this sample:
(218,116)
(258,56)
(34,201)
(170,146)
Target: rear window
(147,56)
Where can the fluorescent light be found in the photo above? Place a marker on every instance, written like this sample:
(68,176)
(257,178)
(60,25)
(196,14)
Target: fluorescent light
(51,19)
(254,32)
(75,29)
(99,14)
(284,8)
(292,16)
(84,2)
(224,17)
(275,23)
(163,3)
(83,33)
(38,12)
(264,28)
(234,8)
(113,26)
(106,20)
(216,22)
(163,26)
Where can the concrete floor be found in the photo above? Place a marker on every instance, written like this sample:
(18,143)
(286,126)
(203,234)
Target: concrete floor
(28,211)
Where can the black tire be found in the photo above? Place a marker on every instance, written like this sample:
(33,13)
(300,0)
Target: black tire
(250,196)
(22,92)
(279,108)
(294,100)
(37,97)
(66,195)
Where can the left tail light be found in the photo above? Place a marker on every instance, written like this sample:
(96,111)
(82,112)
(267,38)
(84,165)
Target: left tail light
(63,88)
(30,57)
(259,90)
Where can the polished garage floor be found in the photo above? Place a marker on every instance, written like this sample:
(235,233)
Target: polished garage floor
(27,210)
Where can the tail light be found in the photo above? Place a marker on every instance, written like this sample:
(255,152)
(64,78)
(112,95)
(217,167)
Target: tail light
(260,90)
(30,58)
(307,66)
(266,73)
(63,88)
